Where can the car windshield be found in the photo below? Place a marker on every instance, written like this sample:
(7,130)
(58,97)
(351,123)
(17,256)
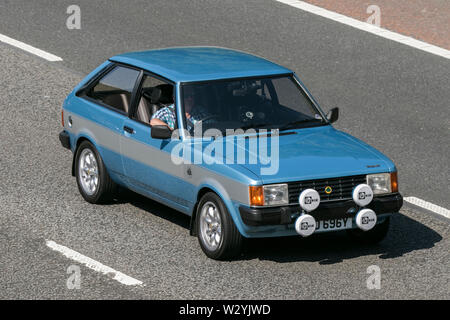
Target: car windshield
(264,103)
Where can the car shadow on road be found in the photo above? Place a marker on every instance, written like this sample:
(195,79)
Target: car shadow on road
(405,235)
(153,207)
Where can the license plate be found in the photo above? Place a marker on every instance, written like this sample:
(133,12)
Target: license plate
(333,224)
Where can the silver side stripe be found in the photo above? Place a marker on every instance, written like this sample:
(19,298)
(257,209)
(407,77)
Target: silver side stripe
(157,159)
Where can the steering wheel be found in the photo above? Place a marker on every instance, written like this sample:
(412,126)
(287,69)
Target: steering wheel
(207,118)
(199,122)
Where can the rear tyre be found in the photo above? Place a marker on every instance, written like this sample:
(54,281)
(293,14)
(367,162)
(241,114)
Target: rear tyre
(216,232)
(94,182)
(373,236)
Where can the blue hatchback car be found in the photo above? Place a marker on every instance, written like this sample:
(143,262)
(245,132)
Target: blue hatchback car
(234,141)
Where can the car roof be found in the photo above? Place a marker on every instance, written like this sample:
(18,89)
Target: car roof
(188,64)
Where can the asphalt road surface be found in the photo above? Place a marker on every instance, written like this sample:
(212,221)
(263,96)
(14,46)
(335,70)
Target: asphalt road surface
(392,96)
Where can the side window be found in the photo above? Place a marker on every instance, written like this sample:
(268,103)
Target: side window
(292,97)
(155,94)
(115,88)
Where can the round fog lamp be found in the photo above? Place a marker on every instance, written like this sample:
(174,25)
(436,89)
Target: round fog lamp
(309,200)
(305,225)
(362,194)
(366,219)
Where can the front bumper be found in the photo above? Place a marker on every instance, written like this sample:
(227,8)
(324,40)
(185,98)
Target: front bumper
(65,139)
(327,210)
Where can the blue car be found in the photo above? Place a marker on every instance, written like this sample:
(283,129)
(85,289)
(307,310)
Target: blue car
(230,139)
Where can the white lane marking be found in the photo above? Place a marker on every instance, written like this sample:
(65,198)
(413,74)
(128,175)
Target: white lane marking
(94,265)
(30,49)
(368,27)
(429,206)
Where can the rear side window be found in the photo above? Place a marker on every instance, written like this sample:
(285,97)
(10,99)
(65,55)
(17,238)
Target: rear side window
(115,88)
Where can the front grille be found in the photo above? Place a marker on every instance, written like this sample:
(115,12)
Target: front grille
(341,188)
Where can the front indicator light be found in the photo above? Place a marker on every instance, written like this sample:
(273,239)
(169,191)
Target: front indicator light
(394,183)
(256,195)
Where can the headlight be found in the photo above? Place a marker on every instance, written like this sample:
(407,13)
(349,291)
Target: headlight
(276,194)
(269,195)
(381,182)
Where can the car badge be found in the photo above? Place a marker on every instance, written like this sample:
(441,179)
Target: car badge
(328,189)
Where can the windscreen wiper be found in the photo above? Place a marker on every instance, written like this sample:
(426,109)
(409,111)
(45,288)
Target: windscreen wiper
(256,126)
(295,124)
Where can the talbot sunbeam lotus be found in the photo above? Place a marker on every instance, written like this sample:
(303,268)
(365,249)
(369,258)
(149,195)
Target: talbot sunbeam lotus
(230,139)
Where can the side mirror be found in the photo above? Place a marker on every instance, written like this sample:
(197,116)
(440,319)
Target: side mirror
(333,115)
(161,132)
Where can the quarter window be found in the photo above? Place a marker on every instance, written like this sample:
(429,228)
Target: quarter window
(115,88)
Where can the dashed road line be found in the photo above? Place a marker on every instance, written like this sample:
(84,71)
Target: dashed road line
(26,47)
(93,264)
(368,27)
(428,206)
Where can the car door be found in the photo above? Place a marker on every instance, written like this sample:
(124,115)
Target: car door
(106,103)
(147,161)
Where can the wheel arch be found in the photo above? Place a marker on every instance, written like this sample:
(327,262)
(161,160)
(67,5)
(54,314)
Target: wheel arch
(79,140)
(219,190)
(192,227)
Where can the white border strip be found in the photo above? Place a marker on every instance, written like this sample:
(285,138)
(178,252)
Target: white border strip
(92,264)
(428,206)
(368,27)
(30,49)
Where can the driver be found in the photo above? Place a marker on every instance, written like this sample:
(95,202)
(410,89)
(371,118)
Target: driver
(194,112)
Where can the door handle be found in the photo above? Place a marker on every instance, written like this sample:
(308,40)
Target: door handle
(128,129)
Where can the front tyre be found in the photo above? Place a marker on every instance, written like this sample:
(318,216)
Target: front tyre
(373,236)
(93,179)
(218,236)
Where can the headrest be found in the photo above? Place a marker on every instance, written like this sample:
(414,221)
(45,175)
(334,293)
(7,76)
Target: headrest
(243,87)
(156,96)
(147,93)
(166,95)
(162,93)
